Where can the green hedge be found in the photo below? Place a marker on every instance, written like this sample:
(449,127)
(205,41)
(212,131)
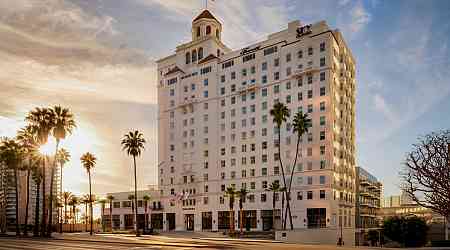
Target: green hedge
(440,243)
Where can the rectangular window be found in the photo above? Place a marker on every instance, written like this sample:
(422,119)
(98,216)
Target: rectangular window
(288,57)
(310,108)
(322,164)
(233,75)
(227,64)
(205,82)
(310,79)
(249,57)
(222,78)
(276,62)
(309,195)
(322,76)
(322,106)
(288,99)
(300,195)
(310,94)
(276,76)
(253,70)
(322,179)
(205,70)
(310,51)
(322,194)
(322,135)
(264,170)
(276,89)
(264,92)
(322,46)
(270,50)
(300,54)
(322,91)
(264,66)
(322,62)
(310,180)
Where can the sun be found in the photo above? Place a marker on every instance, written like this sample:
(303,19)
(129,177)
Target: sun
(48,149)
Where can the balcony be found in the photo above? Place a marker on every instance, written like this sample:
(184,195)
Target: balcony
(248,87)
(301,72)
(188,101)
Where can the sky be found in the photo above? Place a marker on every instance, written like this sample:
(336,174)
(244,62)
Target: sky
(97,57)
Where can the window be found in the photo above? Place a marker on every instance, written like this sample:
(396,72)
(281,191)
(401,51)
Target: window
(253,69)
(276,89)
(205,82)
(270,50)
(300,195)
(310,108)
(288,57)
(264,79)
(309,195)
(208,30)
(233,75)
(316,217)
(264,66)
(263,197)
(200,53)
(322,91)
(322,62)
(244,173)
(252,185)
(188,57)
(322,121)
(276,170)
(322,76)
(310,94)
(322,194)
(288,99)
(300,82)
(322,179)
(252,172)
(322,135)
(299,180)
(322,46)
(310,180)
(300,96)
(322,164)
(227,64)
(249,57)
(198,31)
(322,106)
(300,167)
(233,99)
(264,184)
(264,132)
(264,106)
(310,51)
(322,150)
(194,56)
(310,79)
(300,54)
(276,76)
(264,170)
(276,62)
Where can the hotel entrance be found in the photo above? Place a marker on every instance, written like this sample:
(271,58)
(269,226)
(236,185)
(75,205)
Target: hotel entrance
(170,217)
(189,222)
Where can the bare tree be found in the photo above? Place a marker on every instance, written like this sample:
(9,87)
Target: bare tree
(426,177)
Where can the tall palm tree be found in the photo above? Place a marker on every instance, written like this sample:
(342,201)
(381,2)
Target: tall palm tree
(110,199)
(42,122)
(27,139)
(242,195)
(37,178)
(63,157)
(133,143)
(67,196)
(88,160)
(300,124)
(280,113)
(102,203)
(64,123)
(146,199)
(274,187)
(230,192)
(131,199)
(11,154)
(85,200)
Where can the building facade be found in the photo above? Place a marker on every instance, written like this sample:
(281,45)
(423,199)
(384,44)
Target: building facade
(215,128)
(369,193)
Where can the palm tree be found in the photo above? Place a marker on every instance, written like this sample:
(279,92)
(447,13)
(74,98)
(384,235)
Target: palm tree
(64,124)
(242,194)
(74,202)
(300,125)
(230,192)
(146,199)
(133,143)
(274,187)
(85,200)
(280,113)
(88,160)
(67,196)
(110,199)
(102,203)
(42,122)
(37,178)
(28,142)
(63,158)
(131,199)
(11,154)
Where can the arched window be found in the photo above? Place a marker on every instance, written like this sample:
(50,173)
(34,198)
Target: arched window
(208,30)
(218,53)
(200,53)
(217,34)
(188,58)
(198,31)
(194,56)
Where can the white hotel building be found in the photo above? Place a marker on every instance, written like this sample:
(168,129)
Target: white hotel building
(215,128)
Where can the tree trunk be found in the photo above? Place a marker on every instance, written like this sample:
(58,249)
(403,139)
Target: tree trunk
(273,211)
(288,207)
(52,175)
(146,217)
(282,209)
(85,216)
(447,224)
(36,211)
(17,202)
(282,169)
(135,198)
(25,232)
(61,193)
(90,200)
(103,217)
(44,211)
(110,215)
(241,211)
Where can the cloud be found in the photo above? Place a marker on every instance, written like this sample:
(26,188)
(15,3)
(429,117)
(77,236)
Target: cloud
(359,17)
(382,107)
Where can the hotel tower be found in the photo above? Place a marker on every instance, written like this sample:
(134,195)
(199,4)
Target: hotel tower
(215,129)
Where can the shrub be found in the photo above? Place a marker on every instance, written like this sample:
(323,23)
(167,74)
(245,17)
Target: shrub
(409,231)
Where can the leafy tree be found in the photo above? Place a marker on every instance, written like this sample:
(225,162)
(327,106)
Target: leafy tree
(280,113)
(88,160)
(408,231)
(133,144)
(427,173)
